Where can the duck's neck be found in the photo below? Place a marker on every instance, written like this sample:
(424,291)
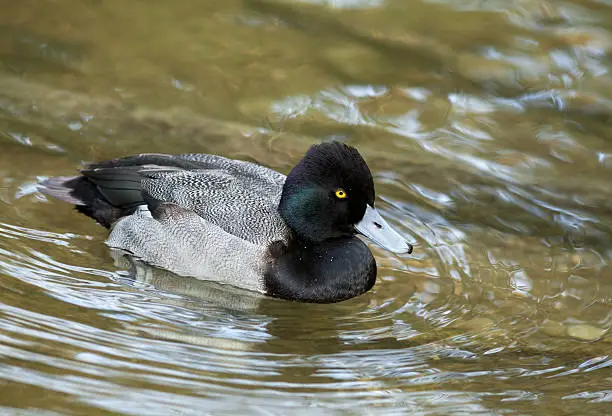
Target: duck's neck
(323,272)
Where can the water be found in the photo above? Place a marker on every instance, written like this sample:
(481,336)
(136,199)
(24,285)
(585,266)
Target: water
(486,125)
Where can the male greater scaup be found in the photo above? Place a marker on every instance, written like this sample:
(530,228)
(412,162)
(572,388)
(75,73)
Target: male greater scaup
(239,223)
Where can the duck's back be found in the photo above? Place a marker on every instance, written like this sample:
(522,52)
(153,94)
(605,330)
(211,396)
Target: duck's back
(240,197)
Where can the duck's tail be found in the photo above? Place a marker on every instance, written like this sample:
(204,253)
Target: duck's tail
(107,191)
(62,188)
(85,195)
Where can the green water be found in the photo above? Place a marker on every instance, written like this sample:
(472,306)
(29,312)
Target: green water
(486,125)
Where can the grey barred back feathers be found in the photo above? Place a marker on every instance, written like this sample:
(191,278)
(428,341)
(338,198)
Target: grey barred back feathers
(238,196)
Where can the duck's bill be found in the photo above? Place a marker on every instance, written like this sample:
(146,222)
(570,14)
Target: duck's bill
(376,229)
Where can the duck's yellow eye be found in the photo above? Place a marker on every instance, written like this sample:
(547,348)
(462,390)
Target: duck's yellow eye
(341,194)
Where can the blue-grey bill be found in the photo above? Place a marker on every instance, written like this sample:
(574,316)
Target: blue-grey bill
(373,226)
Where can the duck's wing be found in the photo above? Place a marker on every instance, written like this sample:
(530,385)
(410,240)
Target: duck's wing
(237,196)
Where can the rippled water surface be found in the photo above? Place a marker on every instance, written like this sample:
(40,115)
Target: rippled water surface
(486,125)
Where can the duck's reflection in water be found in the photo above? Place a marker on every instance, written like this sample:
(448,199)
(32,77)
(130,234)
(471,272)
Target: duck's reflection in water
(206,303)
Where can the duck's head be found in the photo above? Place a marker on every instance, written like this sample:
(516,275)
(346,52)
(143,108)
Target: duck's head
(330,194)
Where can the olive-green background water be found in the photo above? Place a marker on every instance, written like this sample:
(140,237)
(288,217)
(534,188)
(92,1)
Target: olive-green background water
(486,125)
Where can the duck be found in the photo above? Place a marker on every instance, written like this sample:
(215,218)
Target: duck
(236,222)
